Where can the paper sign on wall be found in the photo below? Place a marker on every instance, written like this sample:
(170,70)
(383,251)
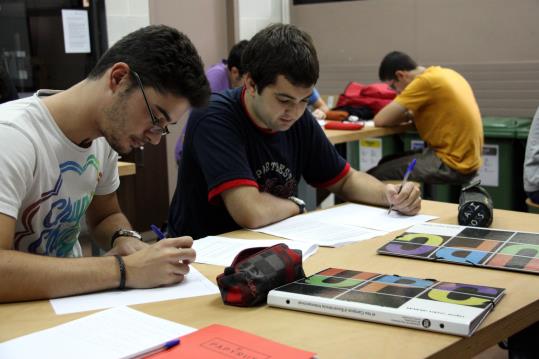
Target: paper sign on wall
(76,31)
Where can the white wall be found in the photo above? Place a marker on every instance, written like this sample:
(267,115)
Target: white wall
(125,16)
(254,15)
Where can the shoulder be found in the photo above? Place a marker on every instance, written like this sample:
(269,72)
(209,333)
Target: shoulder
(223,106)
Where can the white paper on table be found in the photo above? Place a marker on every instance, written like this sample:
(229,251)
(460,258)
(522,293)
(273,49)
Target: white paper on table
(449,230)
(194,285)
(119,332)
(370,217)
(221,251)
(313,229)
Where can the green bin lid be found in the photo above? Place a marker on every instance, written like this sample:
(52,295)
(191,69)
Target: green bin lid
(501,127)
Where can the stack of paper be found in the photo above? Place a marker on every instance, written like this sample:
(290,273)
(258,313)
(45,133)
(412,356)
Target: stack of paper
(342,225)
(114,333)
(221,251)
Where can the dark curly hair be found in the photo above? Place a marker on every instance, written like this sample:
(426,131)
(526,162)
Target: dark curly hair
(165,60)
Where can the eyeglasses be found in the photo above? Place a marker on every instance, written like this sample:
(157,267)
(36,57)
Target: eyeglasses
(156,128)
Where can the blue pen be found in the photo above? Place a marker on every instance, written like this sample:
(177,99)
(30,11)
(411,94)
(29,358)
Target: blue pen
(404,179)
(156,349)
(157,231)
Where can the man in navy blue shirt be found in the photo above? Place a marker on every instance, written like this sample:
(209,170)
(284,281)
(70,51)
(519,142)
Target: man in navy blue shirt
(245,154)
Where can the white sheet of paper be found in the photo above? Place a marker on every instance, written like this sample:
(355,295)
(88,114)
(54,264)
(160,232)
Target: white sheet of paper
(221,251)
(311,228)
(437,228)
(76,31)
(119,332)
(194,285)
(371,217)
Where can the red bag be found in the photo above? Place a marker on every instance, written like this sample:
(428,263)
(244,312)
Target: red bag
(353,96)
(378,90)
(256,271)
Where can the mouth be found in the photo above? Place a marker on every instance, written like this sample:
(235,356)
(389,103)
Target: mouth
(137,143)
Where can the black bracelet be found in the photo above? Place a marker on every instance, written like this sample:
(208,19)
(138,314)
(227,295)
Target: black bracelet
(123,273)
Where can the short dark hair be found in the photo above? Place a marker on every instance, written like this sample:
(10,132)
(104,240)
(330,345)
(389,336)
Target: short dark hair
(234,56)
(393,62)
(165,59)
(281,49)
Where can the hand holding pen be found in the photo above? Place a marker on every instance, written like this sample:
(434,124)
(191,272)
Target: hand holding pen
(411,203)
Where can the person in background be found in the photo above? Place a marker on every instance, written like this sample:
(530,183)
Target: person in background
(227,73)
(58,154)
(8,92)
(245,153)
(531,161)
(442,106)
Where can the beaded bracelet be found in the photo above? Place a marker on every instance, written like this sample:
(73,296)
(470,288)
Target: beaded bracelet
(123,273)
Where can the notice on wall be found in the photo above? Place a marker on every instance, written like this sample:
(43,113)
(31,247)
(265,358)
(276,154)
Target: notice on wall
(76,31)
(370,153)
(490,170)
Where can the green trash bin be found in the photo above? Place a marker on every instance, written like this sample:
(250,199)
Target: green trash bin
(435,192)
(503,158)
(366,153)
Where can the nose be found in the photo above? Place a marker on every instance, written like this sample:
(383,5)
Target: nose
(153,138)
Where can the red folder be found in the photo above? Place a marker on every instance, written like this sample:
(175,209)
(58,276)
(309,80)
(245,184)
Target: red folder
(218,342)
(344,125)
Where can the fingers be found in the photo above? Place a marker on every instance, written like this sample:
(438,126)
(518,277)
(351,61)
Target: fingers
(408,200)
(178,242)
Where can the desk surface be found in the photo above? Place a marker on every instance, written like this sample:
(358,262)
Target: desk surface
(342,136)
(126,168)
(337,337)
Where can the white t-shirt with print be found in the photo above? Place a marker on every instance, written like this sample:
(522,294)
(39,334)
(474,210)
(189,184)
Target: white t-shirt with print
(46,181)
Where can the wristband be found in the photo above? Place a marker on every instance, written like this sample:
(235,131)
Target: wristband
(124,233)
(123,272)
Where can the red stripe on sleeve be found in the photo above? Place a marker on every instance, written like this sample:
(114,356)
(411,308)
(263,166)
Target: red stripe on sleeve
(336,179)
(216,191)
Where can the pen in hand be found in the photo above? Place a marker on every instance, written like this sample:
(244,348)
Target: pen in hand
(157,231)
(404,179)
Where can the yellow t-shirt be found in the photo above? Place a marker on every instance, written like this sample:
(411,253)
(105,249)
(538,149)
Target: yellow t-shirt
(446,116)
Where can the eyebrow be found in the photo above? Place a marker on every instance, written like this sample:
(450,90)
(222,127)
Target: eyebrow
(165,113)
(292,97)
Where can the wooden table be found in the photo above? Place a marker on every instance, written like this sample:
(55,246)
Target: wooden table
(126,168)
(345,136)
(332,337)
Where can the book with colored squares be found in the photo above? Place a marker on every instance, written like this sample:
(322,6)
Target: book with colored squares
(453,308)
(481,247)
(219,342)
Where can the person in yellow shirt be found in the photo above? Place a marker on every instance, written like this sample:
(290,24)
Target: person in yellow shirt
(441,104)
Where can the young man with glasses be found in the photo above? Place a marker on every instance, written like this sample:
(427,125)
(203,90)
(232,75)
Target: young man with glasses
(58,154)
(441,104)
(245,154)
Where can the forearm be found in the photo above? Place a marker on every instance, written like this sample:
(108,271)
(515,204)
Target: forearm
(252,209)
(362,188)
(102,231)
(30,277)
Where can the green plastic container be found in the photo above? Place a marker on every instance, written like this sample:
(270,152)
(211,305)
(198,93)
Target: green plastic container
(365,154)
(435,192)
(503,158)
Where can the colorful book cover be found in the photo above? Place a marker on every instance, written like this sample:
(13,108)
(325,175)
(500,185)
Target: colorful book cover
(481,247)
(453,308)
(219,342)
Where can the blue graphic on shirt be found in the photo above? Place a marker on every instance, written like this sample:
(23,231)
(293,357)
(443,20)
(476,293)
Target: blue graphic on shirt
(61,224)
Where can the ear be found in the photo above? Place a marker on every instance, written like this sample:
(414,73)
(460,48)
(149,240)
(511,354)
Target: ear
(400,74)
(234,72)
(118,76)
(250,86)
